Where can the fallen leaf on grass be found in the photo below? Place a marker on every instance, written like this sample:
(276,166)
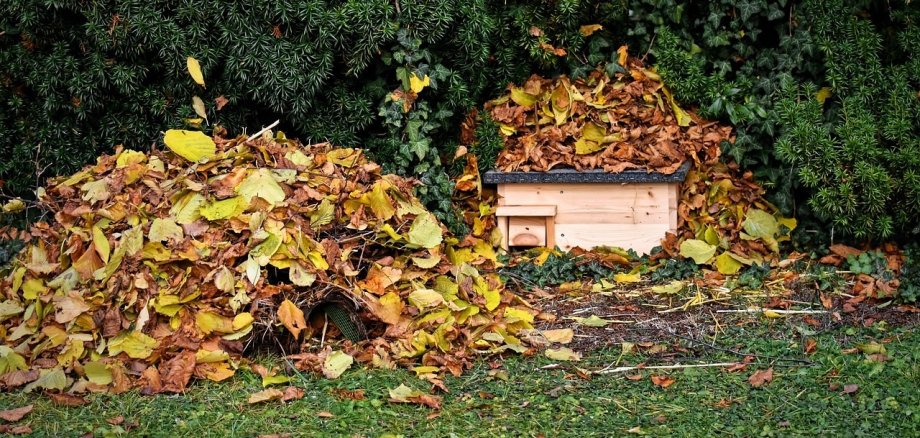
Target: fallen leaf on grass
(405,394)
(15,430)
(871,348)
(14,415)
(336,363)
(324,414)
(736,367)
(566,354)
(63,399)
(662,381)
(265,395)
(292,393)
(115,421)
(592,321)
(634,377)
(560,336)
(850,388)
(810,346)
(345,394)
(761,377)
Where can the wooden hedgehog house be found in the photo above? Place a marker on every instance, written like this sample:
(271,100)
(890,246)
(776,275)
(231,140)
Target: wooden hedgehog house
(632,209)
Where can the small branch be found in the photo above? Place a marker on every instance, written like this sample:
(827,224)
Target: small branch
(778,311)
(256,135)
(665,367)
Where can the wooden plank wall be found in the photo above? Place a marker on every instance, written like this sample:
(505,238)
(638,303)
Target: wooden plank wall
(633,216)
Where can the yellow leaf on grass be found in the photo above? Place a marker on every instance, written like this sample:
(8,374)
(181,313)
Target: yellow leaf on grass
(336,363)
(265,395)
(191,145)
(194,69)
(559,336)
(292,317)
(566,354)
(221,371)
(592,321)
(417,84)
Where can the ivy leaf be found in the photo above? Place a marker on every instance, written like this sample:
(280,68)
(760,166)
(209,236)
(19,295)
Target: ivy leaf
(191,145)
(697,250)
(194,69)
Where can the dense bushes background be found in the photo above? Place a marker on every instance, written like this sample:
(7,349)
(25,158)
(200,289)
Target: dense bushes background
(77,79)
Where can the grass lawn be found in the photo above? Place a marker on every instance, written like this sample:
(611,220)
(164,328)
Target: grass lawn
(802,398)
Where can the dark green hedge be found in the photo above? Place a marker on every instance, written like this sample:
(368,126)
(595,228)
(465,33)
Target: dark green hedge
(77,78)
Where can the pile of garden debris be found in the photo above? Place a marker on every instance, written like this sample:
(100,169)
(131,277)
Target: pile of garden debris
(154,268)
(630,121)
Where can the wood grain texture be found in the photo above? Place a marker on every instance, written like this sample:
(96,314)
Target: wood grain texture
(640,237)
(527,231)
(595,203)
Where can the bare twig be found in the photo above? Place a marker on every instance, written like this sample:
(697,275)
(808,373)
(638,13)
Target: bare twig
(262,131)
(665,367)
(778,311)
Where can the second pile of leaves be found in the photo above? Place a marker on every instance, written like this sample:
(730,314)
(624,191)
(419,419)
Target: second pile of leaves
(154,268)
(628,119)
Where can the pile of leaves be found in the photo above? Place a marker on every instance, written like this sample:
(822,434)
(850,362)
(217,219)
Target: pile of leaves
(625,121)
(630,121)
(158,267)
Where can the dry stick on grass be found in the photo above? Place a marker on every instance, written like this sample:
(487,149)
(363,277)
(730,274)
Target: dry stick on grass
(664,367)
(778,311)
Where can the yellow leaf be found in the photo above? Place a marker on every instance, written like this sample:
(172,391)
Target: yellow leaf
(261,183)
(772,314)
(191,145)
(425,231)
(388,308)
(589,29)
(187,207)
(513,315)
(221,371)
(622,55)
(242,320)
(623,277)
(566,354)
(823,94)
(128,157)
(300,276)
(14,206)
(673,287)
(522,98)
(194,69)
(683,118)
(726,264)
(265,395)
(224,209)
(697,250)
(211,356)
(426,262)
(97,372)
(135,344)
(425,298)
(32,289)
(165,229)
(198,106)
(378,201)
(292,317)
(417,84)
(210,322)
(559,336)
(336,363)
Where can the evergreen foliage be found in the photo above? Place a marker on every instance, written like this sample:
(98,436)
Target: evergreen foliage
(76,80)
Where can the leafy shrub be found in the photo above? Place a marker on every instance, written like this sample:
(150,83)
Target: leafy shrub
(674,269)
(909,290)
